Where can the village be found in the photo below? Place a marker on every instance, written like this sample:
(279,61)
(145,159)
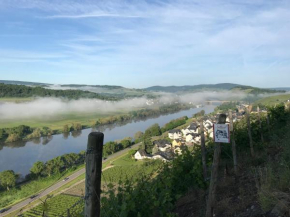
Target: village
(190,136)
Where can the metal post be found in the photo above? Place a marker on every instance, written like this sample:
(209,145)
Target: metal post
(93,174)
(214,173)
(203,149)
(234,149)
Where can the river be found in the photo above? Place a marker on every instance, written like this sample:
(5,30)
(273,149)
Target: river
(20,156)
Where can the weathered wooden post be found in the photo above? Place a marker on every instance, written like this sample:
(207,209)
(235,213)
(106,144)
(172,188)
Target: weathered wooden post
(234,149)
(203,149)
(214,173)
(250,132)
(68,213)
(260,124)
(93,174)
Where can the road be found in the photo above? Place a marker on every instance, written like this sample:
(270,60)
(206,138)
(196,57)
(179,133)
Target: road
(61,183)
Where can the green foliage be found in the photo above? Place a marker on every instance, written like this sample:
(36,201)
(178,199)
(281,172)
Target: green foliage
(10,90)
(56,206)
(147,196)
(226,106)
(199,114)
(76,126)
(65,129)
(8,179)
(174,123)
(37,168)
(153,130)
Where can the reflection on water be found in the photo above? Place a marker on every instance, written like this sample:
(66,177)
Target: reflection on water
(76,133)
(20,156)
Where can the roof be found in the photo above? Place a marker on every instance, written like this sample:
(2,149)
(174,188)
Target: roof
(174,131)
(161,143)
(166,155)
(193,134)
(193,126)
(143,153)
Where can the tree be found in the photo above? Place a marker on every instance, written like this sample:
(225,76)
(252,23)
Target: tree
(138,136)
(8,179)
(65,129)
(37,168)
(154,130)
(126,143)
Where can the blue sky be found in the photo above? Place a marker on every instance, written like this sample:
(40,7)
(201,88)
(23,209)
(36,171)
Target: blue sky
(140,43)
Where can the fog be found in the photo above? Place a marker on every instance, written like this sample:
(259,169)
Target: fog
(53,107)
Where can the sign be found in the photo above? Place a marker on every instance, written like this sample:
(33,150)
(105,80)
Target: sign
(221,133)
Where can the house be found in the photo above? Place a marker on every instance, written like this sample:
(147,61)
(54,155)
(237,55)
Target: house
(192,128)
(190,137)
(162,145)
(176,143)
(174,134)
(141,154)
(164,156)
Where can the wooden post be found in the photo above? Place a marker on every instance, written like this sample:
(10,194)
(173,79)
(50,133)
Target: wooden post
(234,149)
(214,173)
(203,149)
(250,132)
(68,213)
(260,124)
(93,174)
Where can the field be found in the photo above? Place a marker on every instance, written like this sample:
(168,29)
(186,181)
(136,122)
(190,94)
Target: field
(57,206)
(273,100)
(56,123)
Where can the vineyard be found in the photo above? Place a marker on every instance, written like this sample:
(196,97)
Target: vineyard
(117,173)
(56,206)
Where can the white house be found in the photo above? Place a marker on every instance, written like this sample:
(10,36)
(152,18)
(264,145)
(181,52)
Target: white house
(141,154)
(190,137)
(192,128)
(174,134)
(162,145)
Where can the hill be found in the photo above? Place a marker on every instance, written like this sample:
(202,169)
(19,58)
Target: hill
(12,90)
(190,88)
(23,83)
(212,87)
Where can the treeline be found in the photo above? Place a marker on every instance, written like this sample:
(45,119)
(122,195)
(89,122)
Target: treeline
(157,196)
(11,90)
(226,106)
(174,123)
(39,169)
(23,132)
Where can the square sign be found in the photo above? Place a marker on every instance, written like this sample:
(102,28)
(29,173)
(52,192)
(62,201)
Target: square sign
(221,133)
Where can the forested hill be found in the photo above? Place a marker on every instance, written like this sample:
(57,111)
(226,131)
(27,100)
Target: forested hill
(11,90)
(23,83)
(201,87)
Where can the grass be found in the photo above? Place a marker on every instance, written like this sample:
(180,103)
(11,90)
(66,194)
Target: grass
(273,100)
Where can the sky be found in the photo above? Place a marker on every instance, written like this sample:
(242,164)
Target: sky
(139,43)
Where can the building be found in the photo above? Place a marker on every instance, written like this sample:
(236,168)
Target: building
(141,154)
(174,134)
(162,145)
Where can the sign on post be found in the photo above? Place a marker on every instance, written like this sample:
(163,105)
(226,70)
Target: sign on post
(221,133)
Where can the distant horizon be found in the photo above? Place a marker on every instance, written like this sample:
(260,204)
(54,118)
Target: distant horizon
(146,43)
(40,82)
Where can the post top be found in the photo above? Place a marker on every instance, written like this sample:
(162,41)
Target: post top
(222,119)
(95,139)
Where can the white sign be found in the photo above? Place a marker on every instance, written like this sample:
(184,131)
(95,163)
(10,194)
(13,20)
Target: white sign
(221,133)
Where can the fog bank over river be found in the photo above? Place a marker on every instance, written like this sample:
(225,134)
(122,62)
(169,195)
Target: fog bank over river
(21,156)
